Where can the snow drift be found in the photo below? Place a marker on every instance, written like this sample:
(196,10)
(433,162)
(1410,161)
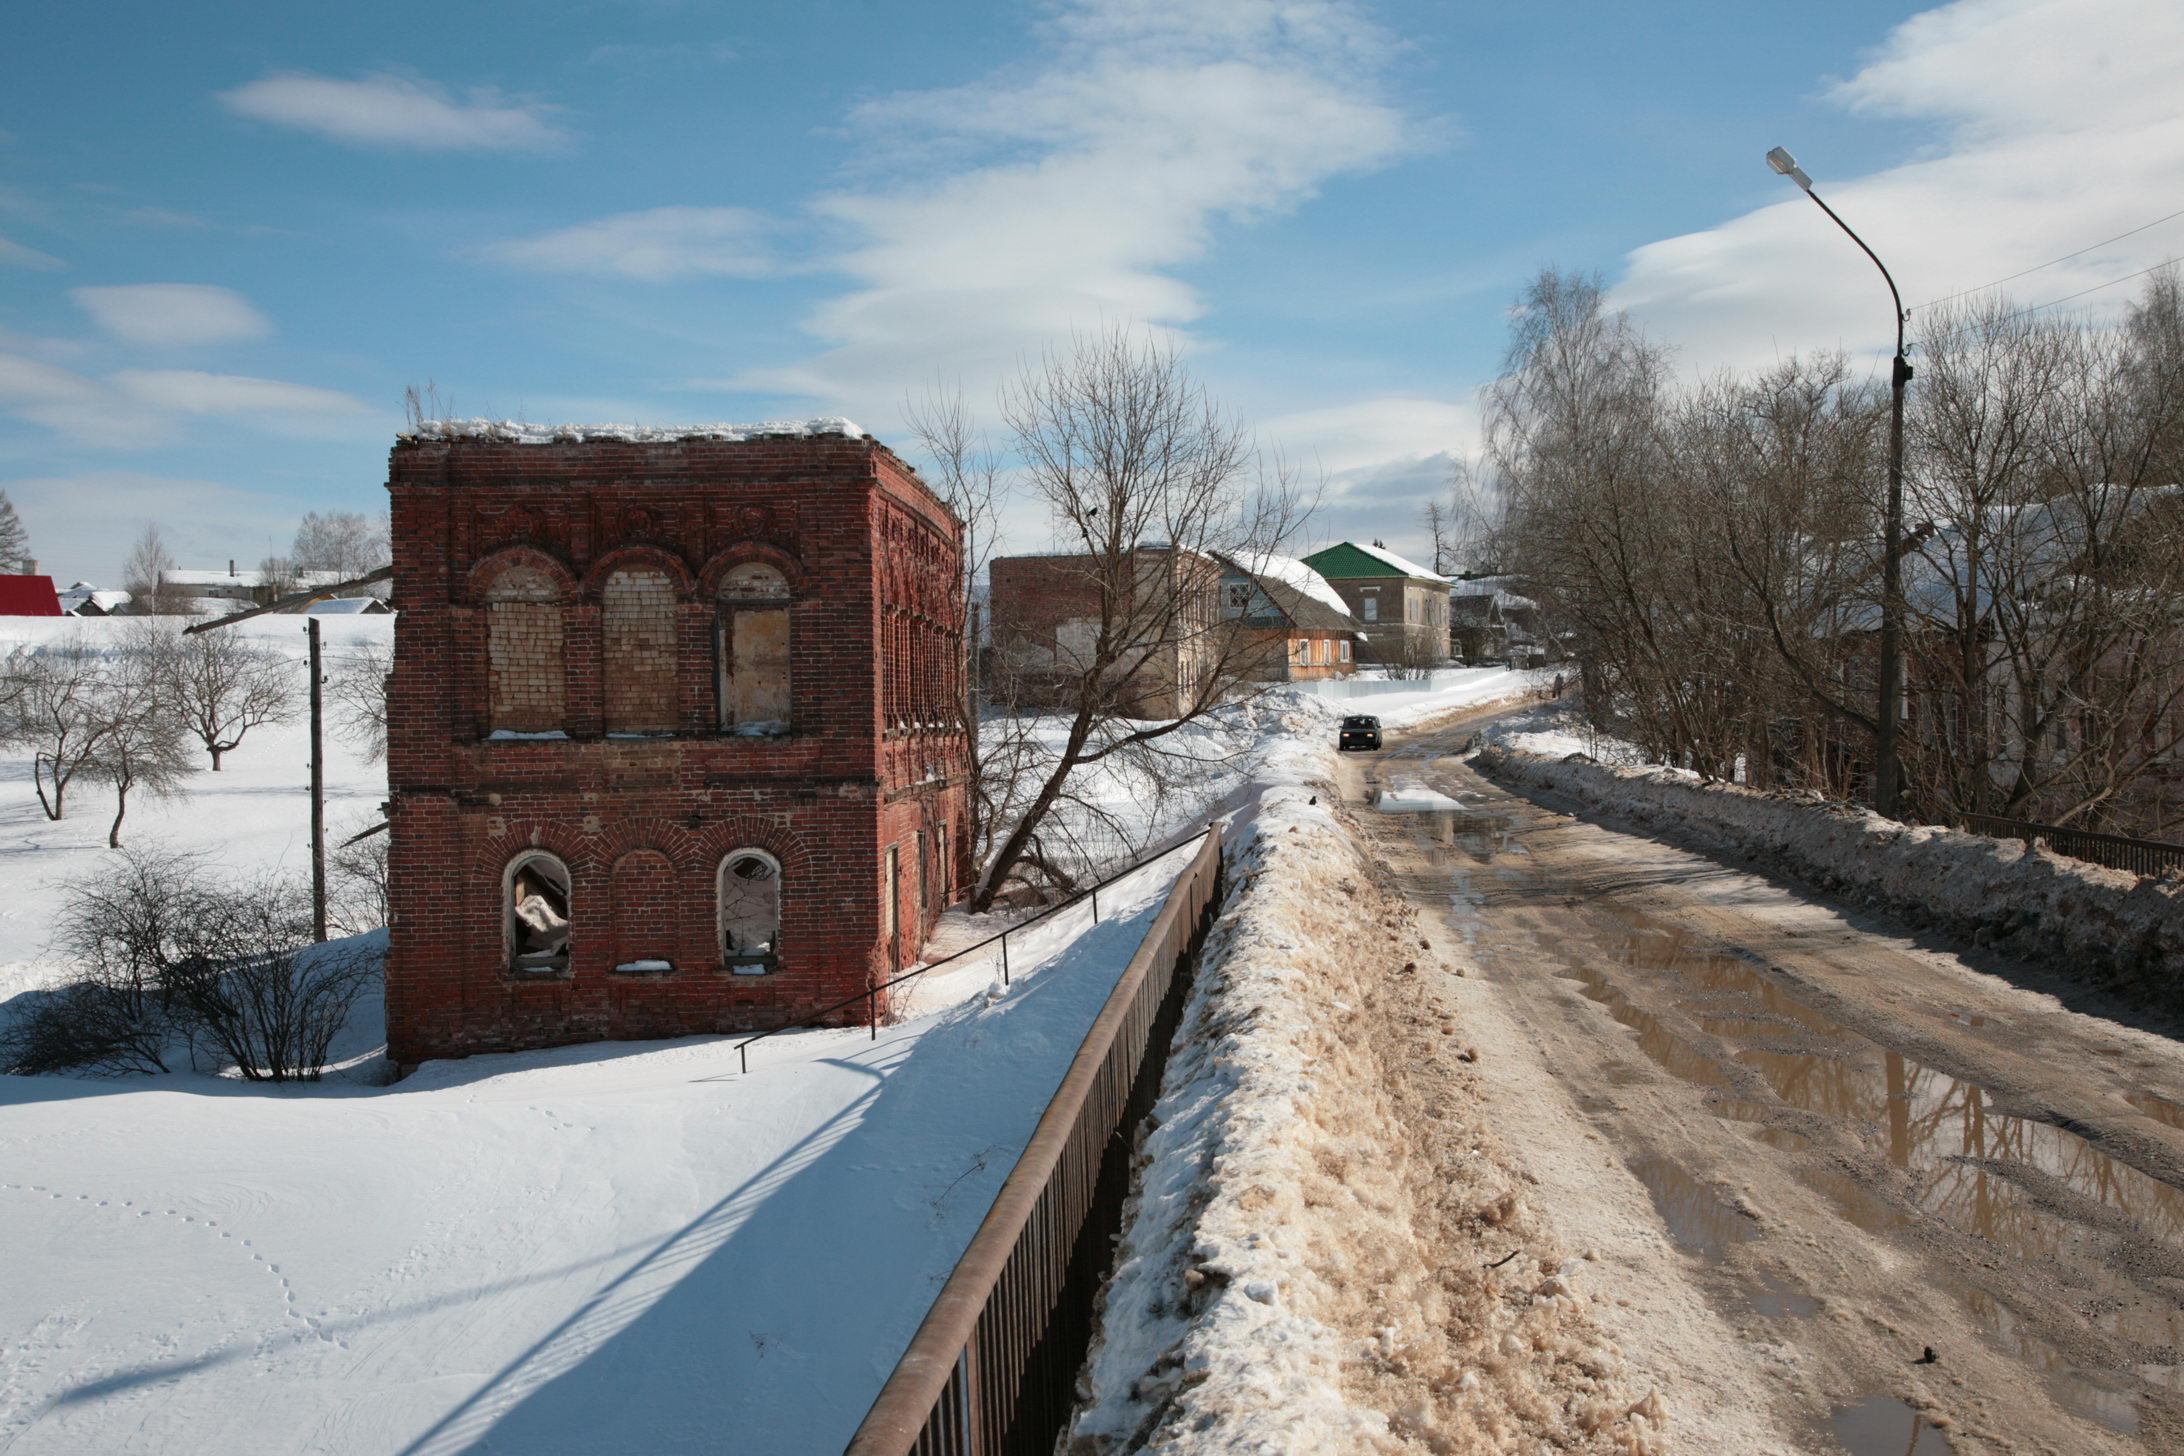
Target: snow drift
(1328,1251)
(2109,925)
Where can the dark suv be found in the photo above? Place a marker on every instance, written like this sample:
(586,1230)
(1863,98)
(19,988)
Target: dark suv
(1360,731)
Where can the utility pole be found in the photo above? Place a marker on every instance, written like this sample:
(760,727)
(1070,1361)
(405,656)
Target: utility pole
(318,783)
(1887,772)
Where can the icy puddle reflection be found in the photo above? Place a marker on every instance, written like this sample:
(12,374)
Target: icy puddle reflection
(1450,824)
(1974,1168)
(1885,1427)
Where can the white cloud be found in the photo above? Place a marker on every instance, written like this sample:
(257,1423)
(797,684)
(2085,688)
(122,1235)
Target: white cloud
(387,110)
(1370,433)
(2057,128)
(190,391)
(173,313)
(657,245)
(1058,197)
(15,255)
(137,408)
(81,525)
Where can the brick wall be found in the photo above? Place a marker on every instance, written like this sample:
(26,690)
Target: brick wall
(578,588)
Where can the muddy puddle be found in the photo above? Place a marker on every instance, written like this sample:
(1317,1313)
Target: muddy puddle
(1885,1427)
(2007,1180)
(1450,826)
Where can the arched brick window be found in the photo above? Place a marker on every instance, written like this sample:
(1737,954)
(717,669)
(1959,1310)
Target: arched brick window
(637,625)
(751,646)
(535,914)
(526,688)
(750,911)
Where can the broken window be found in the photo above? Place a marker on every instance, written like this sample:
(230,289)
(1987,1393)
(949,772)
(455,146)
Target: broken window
(752,651)
(750,910)
(537,928)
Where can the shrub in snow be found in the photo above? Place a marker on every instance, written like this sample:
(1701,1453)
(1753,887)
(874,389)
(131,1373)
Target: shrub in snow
(116,924)
(253,983)
(169,954)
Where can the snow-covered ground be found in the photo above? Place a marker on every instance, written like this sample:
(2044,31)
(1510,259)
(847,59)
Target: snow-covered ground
(254,814)
(609,1247)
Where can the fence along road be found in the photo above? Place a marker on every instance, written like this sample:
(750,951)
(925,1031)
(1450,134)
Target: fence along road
(993,1368)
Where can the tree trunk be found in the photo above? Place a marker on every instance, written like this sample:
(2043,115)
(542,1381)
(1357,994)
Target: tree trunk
(121,809)
(215,750)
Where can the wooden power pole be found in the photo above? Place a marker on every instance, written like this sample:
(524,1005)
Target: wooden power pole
(318,783)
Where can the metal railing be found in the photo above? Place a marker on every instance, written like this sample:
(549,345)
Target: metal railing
(992,1370)
(870,996)
(2140,856)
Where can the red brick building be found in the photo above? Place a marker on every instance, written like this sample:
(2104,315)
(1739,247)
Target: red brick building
(673,741)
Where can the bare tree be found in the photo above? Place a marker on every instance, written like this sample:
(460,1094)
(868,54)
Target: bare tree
(223,685)
(1440,535)
(358,688)
(14,540)
(1150,488)
(58,713)
(356,882)
(966,473)
(144,577)
(145,745)
(345,543)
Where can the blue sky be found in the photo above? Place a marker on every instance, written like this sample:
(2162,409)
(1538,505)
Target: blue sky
(230,236)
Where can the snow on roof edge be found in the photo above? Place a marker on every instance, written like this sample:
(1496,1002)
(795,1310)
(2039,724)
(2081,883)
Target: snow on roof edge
(1401,563)
(1297,576)
(521,432)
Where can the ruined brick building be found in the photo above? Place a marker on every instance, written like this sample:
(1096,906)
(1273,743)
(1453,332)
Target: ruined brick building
(674,735)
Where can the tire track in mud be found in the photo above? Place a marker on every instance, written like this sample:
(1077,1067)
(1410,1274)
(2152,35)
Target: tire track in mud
(1860,1157)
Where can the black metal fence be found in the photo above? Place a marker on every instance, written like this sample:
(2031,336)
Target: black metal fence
(2140,856)
(992,1371)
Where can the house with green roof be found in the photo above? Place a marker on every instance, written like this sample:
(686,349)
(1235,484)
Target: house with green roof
(1401,607)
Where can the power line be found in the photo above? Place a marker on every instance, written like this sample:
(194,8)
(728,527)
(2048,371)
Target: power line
(2089,247)
(2111,283)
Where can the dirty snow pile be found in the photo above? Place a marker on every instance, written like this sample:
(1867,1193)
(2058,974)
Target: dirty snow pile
(1328,1250)
(2109,924)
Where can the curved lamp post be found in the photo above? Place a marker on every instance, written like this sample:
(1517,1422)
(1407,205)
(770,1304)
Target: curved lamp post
(1887,778)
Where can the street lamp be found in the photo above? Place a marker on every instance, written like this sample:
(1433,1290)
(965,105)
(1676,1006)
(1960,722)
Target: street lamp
(1887,785)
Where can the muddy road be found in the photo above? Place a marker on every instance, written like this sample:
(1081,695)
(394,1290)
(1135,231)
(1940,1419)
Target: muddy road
(1851,1184)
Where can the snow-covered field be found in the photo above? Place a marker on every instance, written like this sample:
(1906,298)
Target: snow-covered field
(608,1247)
(254,814)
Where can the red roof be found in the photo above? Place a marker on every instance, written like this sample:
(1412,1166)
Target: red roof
(28,596)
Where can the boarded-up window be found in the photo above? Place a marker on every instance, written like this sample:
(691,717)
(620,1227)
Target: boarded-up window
(524,652)
(644,912)
(752,649)
(637,623)
(750,909)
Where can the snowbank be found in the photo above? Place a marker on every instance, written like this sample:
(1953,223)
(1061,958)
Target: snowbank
(1306,1266)
(2113,926)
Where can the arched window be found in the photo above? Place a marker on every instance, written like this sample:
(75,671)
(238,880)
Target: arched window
(523,652)
(750,911)
(751,651)
(535,915)
(637,628)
